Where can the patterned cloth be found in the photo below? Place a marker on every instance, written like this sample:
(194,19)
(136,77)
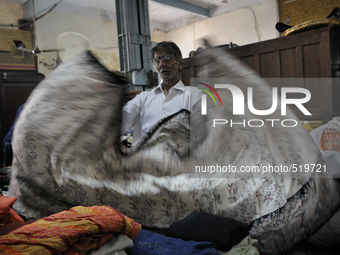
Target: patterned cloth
(70,232)
(67,153)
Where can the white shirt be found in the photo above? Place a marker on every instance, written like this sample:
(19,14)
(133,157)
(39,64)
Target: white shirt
(149,107)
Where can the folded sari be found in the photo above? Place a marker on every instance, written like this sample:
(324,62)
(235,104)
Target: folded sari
(76,231)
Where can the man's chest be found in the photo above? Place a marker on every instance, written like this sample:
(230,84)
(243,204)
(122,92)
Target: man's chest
(161,106)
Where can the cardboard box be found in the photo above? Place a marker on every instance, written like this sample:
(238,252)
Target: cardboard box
(10,56)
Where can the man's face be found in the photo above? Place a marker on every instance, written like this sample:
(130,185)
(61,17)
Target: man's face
(168,70)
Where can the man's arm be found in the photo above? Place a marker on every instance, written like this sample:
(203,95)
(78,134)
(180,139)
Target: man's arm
(131,113)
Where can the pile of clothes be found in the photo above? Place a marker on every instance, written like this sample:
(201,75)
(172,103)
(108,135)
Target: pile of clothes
(103,230)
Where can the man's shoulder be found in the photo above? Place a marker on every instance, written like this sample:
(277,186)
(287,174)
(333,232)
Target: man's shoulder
(149,92)
(152,92)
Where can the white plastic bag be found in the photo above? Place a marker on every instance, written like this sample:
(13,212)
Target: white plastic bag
(327,138)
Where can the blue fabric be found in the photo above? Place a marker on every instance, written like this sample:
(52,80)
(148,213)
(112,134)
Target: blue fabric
(150,243)
(7,149)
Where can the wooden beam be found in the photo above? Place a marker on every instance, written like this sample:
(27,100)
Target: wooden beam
(185,6)
(40,7)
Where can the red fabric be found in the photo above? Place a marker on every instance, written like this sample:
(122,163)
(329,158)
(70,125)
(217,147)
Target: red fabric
(7,214)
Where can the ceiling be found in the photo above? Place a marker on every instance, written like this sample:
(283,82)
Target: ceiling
(165,15)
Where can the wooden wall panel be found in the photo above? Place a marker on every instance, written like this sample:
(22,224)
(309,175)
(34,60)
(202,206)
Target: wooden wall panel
(14,95)
(311,60)
(287,62)
(267,65)
(310,54)
(249,61)
(186,75)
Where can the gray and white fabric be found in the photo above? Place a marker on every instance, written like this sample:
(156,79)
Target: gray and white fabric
(67,152)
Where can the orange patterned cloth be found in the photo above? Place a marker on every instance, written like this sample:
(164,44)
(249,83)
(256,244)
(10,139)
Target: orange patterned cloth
(7,214)
(76,231)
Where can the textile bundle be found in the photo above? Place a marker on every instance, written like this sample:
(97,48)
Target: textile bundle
(67,153)
(76,231)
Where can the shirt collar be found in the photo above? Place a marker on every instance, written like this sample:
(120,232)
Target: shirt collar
(179,86)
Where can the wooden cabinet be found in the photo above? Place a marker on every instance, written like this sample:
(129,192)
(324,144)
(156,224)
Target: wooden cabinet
(309,54)
(16,86)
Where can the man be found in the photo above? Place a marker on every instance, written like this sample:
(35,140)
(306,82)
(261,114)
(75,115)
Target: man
(169,97)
